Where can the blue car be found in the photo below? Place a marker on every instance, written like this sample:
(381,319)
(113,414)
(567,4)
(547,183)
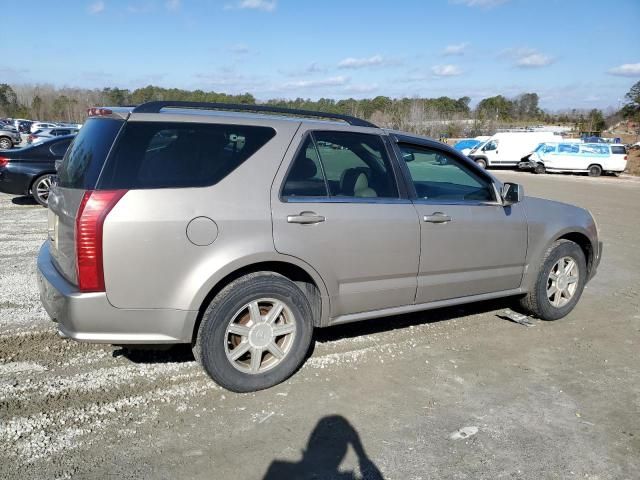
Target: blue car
(467,144)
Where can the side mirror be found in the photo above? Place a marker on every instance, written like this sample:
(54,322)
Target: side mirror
(511,193)
(408,157)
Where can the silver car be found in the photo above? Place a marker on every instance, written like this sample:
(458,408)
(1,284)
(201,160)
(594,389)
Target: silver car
(240,229)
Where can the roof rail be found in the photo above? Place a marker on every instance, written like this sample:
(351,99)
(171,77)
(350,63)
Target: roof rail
(156,106)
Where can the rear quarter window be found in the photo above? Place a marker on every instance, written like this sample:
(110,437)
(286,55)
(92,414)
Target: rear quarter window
(618,150)
(173,155)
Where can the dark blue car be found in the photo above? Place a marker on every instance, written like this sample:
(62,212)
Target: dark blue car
(29,171)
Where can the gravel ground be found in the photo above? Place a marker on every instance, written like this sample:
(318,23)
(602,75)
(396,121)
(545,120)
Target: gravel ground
(454,393)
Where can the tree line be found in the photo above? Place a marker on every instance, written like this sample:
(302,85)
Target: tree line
(429,116)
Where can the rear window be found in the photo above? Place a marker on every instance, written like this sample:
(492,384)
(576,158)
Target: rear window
(618,150)
(173,155)
(86,155)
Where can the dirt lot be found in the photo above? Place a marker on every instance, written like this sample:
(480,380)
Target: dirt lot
(457,393)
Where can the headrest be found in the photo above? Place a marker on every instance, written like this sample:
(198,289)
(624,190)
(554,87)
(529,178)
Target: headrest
(303,169)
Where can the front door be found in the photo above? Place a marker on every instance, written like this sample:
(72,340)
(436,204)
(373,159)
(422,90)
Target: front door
(337,207)
(470,243)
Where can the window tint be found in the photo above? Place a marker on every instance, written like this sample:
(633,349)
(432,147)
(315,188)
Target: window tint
(60,147)
(172,155)
(356,164)
(84,159)
(439,176)
(618,150)
(305,177)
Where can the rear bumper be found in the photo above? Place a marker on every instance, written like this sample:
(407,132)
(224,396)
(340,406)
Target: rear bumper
(89,317)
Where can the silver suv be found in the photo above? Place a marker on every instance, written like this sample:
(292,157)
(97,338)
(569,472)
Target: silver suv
(240,231)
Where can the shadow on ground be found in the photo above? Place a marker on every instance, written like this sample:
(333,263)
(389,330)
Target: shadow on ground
(326,449)
(25,200)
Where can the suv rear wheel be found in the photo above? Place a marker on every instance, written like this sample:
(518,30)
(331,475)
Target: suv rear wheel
(255,333)
(560,282)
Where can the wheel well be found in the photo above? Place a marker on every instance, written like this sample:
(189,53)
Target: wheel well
(294,273)
(594,165)
(37,176)
(585,245)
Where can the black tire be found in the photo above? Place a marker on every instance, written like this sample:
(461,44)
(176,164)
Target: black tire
(40,189)
(6,143)
(539,169)
(212,338)
(595,170)
(536,302)
(482,163)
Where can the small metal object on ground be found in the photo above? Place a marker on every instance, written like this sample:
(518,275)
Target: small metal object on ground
(516,318)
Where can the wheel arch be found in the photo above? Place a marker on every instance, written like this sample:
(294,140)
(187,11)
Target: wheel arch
(303,275)
(35,176)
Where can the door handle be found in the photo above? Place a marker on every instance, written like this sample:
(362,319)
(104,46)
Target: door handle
(305,218)
(437,217)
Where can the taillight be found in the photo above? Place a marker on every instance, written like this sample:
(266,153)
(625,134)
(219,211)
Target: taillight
(93,210)
(4,161)
(96,112)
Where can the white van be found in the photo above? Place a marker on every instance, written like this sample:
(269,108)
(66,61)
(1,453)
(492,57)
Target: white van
(506,149)
(591,158)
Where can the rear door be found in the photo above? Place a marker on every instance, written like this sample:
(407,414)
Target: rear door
(78,173)
(470,243)
(339,209)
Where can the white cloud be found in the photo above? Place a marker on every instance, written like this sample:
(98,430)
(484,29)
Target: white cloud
(351,62)
(360,88)
(456,49)
(527,57)
(325,82)
(310,69)
(96,7)
(626,70)
(239,49)
(264,5)
(446,70)
(479,3)
(173,5)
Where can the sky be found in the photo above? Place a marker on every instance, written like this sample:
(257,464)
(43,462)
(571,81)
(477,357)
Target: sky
(574,54)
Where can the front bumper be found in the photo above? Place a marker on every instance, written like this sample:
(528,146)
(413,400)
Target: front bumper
(89,317)
(596,261)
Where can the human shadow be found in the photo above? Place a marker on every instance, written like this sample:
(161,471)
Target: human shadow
(326,449)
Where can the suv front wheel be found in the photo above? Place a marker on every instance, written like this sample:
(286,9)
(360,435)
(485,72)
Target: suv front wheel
(560,282)
(255,333)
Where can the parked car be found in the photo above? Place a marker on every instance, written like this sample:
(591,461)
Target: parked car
(29,170)
(465,145)
(506,149)
(591,158)
(240,233)
(23,126)
(44,134)
(9,137)
(35,126)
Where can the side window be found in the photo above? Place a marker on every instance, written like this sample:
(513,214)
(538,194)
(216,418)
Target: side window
(618,150)
(305,178)
(175,155)
(568,148)
(356,165)
(439,176)
(492,145)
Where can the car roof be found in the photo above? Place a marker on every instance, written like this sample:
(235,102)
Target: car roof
(262,112)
